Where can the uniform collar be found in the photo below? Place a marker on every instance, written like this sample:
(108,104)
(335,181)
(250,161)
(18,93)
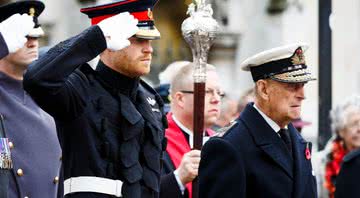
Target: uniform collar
(124,84)
(268,120)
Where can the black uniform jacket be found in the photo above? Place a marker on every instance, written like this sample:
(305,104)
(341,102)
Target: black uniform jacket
(347,182)
(109,125)
(252,161)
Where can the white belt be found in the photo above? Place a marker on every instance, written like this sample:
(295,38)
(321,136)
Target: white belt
(93,184)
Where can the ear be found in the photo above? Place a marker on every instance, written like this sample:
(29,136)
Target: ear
(178,99)
(263,89)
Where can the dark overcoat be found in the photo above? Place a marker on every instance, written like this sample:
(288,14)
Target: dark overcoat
(251,160)
(347,182)
(109,125)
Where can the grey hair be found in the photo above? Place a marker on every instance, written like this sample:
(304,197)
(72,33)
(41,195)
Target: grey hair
(167,75)
(340,114)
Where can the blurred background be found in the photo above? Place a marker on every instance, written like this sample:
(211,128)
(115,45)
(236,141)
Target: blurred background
(331,28)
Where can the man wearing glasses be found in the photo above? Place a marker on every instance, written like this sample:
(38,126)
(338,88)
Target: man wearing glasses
(180,162)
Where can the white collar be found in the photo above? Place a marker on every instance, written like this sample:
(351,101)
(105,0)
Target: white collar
(187,131)
(268,120)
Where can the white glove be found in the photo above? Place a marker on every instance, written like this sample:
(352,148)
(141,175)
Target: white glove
(14,30)
(118,29)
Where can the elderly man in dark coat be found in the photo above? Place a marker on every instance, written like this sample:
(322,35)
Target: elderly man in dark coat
(110,122)
(262,154)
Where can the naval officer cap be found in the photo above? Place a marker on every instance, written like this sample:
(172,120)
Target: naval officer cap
(140,9)
(32,8)
(283,64)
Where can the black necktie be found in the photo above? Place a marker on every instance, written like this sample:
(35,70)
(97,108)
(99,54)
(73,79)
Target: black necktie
(285,136)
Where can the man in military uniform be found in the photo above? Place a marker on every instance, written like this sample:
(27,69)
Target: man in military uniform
(110,122)
(31,132)
(12,38)
(262,154)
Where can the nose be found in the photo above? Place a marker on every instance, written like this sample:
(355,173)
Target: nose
(301,92)
(215,98)
(32,42)
(147,47)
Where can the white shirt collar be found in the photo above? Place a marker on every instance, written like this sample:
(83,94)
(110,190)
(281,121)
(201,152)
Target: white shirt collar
(188,131)
(268,120)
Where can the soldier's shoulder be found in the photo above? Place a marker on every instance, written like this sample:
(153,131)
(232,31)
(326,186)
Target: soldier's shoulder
(352,156)
(147,88)
(223,131)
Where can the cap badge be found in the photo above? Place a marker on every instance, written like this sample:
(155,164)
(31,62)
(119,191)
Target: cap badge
(150,14)
(32,11)
(298,57)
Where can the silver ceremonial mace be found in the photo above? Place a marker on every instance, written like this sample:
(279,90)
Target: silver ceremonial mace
(199,30)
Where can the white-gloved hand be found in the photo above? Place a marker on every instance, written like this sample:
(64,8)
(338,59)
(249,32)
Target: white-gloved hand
(14,30)
(118,29)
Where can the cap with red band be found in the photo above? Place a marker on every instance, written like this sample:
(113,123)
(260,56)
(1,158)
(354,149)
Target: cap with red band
(140,9)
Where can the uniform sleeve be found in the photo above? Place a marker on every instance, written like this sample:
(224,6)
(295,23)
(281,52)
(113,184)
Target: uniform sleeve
(51,80)
(169,187)
(221,172)
(3,47)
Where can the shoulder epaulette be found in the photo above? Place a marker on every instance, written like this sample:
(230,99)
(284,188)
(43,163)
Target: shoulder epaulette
(221,132)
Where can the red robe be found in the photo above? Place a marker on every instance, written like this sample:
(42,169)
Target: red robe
(177,145)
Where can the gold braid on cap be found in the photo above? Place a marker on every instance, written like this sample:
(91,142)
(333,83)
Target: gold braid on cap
(297,76)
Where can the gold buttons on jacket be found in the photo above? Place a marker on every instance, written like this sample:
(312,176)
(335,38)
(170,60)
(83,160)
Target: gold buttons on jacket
(56,180)
(11,145)
(20,172)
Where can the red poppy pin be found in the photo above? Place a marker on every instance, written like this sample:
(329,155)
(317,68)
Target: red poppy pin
(307,152)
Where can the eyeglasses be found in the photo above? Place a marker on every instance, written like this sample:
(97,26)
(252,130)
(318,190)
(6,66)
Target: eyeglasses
(213,92)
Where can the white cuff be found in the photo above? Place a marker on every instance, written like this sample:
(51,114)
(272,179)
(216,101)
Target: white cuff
(181,186)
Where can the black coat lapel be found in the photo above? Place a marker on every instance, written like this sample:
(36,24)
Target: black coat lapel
(299,146)
(265,138)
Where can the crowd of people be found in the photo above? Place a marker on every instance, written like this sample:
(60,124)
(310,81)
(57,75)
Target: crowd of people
(68,130)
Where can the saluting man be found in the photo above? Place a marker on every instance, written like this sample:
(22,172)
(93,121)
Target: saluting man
(110,122)
(12,38)
(31,132)
(262,154)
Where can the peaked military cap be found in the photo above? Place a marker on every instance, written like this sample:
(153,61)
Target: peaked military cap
(283,64)
(32,8)
(140,9)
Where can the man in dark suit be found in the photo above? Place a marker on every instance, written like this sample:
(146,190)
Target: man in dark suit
(262,154)
(110,123)
(181,164)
